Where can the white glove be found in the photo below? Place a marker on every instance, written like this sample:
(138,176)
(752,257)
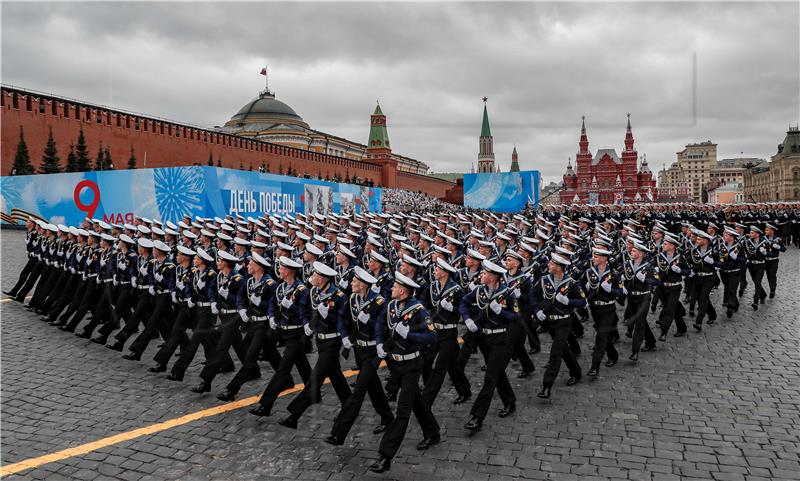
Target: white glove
(691,273)
(214,309)
(375,289)
(72,270)
(255,300)
(541,315)
(180,284)
(158,276)
(775,245)
(562,299)
(223,292)
(641,276)
(97,279)
(143,270)
(733,255)
(189,303)
(381,352)
(363,317)
(133,281)
(676,268)
(708,260)
(307,330)
(446,305)
(471,325)
(201,283)
(346,343)
(151,290)
(323,310)
(472,286)
(343,283)
(243,315)
(606,286)
(401,329)
(762,250)
(174,298)
(273,324)
(625,291)
(495,307)
(287,303)
(517,293)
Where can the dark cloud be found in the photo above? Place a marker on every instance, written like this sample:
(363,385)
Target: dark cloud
(686,72)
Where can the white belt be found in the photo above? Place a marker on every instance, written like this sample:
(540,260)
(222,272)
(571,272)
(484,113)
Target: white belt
(405,357)
(731,270)
(603,303)
(259,318)
(106,281)
(557,317)
(123,283)
(143,288)
(671,284)
(89,276)
(361,343)
(323,337)
(705,274)
(203,304)
(228,311)
(639,293)
(163,291)
(493,331)
(290,328)
(444,326)
(756,262)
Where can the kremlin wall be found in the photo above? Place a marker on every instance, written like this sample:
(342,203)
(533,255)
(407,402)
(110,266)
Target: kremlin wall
(161,143)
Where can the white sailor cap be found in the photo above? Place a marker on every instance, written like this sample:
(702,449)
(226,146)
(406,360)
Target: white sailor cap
(671,239)
(441,250)
(73,230)
(285,247)
(162,246)
(227,256)
(323,269)
(756,229)
(157,231)
(493,268)
(63,228)
(103,225)
(171,225)
(413,262)
(313,250)
(770,226)
(185,251)
(205,256)
(475,255)
(107,238)
(643,248)
(83,232)
(143,229)
(557,259)
(700,233)
(224,237)
(601,252)
(514,254)
(378,257)
(127,239)
(442,264)
(290,263)
(189,235)
(240,241)
(527,247)
(731,232)
(347,252)
(405,281)
(303,237)
(145,243)
(364,276)
(258,259)
(258,245)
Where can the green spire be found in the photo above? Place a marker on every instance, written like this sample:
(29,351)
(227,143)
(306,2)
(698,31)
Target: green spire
(378,135)
(485,131)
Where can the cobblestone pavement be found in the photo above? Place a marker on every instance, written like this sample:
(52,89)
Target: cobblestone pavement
(719,405)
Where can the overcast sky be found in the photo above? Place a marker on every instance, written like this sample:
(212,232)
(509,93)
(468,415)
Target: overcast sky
(728,72)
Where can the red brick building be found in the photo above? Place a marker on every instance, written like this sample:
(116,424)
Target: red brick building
(606,177)
(162,143)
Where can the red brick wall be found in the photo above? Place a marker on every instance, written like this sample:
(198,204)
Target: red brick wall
(430,185)
(177,145)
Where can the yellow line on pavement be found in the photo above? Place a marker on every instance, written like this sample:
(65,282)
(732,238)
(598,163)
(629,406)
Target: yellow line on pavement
(9,299)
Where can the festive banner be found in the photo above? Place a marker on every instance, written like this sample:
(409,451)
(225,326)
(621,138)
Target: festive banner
(170,193)
(502,192)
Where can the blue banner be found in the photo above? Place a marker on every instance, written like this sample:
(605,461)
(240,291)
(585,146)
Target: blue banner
(503,191)
(170,193)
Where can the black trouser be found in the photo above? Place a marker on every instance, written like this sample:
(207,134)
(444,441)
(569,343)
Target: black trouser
(157,323)
(101,313)
(702,292)
(123,298)
(141,314)
(66,296)
(560,330)
(91,296)
(23,275)
(656,298)
(259,336)
(671,309)
(409,399)
(742,281)
(75,302)
(32,278)
(202,333)
(771,269)
(496,352)
(327,367)
(689,283)
(757,276)
(225,336)
(532,326)
(428,356)
(177,335)
(294,354)
(470,341)
(578,315)
(446,363)
(641,328)
(730,280)
(45,285)
(58,285)
(516,338)
(367,382)
(605,321)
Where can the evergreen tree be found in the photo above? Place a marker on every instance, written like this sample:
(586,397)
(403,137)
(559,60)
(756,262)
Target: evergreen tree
(82,154)
(109,162)
(72,160)
(347,179)
(219,161)
(50,159)
(22,161)
(241,165)
(132,159)
(99,161)
(210,160)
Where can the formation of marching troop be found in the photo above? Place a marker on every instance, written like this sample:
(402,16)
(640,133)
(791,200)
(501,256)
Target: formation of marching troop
(422,291)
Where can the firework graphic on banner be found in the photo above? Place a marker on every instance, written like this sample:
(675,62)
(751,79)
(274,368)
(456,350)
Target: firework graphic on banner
(179,192)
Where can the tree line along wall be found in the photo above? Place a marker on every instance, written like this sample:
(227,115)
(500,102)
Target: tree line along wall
(165,144)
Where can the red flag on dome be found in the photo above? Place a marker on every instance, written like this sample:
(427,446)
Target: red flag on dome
(264,71)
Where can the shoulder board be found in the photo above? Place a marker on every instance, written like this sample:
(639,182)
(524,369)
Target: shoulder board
(237,277)
(301,287)
(211,272)
(193,269)
(379,300)
(270,282)
(339,293)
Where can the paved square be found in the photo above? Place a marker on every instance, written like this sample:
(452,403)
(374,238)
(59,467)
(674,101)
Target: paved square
(720,405)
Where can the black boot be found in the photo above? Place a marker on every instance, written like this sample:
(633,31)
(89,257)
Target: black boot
(203,387)
(227,395)
(289,421)
(158,368)
(382,465)
(474,424)
(544,393)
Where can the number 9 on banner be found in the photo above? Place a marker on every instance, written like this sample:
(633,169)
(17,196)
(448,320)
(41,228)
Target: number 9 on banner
(91,207)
